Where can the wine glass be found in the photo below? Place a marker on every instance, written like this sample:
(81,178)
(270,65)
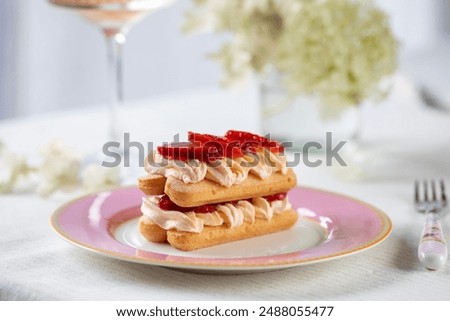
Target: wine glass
(115,18)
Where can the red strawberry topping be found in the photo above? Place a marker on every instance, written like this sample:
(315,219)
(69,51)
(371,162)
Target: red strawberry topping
(216,146)
(203,138)
(209,148)
(181,151)
(276,197)
(250,140)
(166,204)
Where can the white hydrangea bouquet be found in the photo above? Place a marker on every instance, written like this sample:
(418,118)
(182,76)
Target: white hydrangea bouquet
(338,50)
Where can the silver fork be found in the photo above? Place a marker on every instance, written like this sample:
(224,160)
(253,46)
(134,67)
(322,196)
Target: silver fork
(432,249)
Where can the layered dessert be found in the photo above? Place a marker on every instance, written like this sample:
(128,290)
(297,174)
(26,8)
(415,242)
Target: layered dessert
(216,189)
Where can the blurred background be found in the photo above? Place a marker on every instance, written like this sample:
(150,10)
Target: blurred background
(53,60)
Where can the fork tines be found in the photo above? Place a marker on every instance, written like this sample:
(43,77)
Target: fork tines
(444,196)
(435,198)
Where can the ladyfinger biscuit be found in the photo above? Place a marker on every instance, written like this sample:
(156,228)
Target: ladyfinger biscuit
(214,235)
(152,231)
(208,192)
(152,184)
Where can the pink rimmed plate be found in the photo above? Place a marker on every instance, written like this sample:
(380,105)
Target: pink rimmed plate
(330,226)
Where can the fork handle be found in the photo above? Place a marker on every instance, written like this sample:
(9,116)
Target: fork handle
(432,249)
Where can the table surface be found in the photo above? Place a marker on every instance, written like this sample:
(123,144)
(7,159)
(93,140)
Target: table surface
(403,140)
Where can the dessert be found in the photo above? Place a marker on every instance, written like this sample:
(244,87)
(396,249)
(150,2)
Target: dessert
(215,189)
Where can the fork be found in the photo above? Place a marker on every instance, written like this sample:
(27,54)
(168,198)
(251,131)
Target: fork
(432,249)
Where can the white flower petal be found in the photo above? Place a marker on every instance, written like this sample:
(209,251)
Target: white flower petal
(59,169)
(13,167)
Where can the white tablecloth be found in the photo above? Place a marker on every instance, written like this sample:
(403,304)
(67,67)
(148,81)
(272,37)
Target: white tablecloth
(404,140)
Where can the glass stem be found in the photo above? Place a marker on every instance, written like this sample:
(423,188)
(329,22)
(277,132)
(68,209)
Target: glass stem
(115,39)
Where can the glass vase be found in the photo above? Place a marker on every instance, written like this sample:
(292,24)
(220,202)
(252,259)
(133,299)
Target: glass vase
(301,119)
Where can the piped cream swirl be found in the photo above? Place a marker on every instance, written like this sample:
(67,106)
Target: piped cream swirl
(268,163)
(189,222)
(191,171)
(232,215)
(226,172)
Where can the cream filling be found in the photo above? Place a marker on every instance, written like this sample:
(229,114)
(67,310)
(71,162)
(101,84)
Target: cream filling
(191,171)
(226,172)
(188,222)
(232,215)
(268,163)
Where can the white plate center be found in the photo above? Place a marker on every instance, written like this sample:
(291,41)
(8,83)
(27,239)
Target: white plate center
(304,235)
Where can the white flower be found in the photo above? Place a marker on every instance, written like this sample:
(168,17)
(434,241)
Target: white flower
(13,168)
(255,26)
(338,50)
(96,178)
(236,62)
(206,16)
(59,169)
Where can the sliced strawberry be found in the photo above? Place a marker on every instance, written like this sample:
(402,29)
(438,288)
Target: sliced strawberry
(180,151)
(209,147)
(235,153)
(205,209)
(203,138)
(208,152)
(233,149)
(245,142)
(250,142)
(276,197)
(244,136)
(166,204)
(250,147)
(216,147)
